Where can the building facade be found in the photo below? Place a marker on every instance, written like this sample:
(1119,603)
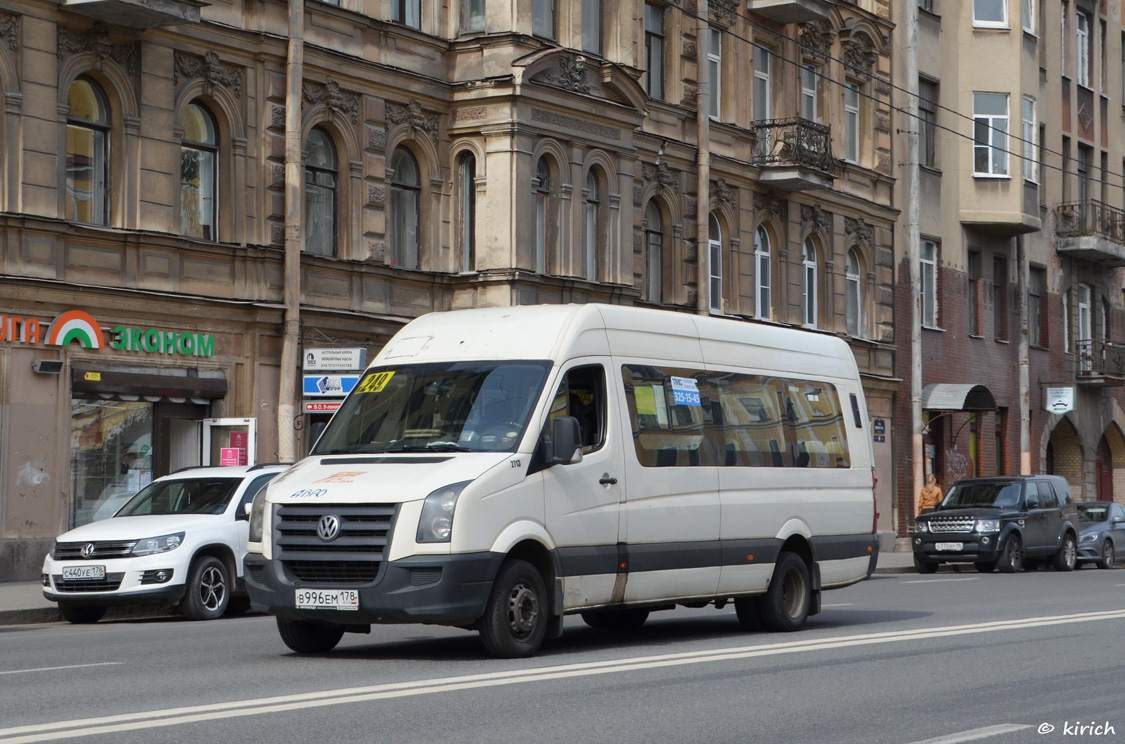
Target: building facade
(727,158)
(1020,244)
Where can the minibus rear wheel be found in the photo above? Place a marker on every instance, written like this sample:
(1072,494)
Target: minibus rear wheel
(515,619)
(785,605)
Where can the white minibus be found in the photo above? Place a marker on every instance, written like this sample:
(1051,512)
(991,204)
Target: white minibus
(498,469)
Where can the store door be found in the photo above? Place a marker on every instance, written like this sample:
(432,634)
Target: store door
(229,441)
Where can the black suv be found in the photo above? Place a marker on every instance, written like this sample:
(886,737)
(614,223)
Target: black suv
(1005,522)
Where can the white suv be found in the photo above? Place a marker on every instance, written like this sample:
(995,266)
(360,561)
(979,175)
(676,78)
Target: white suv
(180,538)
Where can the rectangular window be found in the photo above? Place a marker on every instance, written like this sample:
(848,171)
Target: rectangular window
(809,96)
(1067,169)
(927,5)
(993,13)
(763,85)
(683,417)
(1082,49)
(928,275)
(1030,131)
(472,16)
(654,51)
(592,26)
(407,12)
(1063,40)
(716,253)
(1102,59)
(851,122)
(1000,298)
(990,138)
(1085,155)
(715,72)
(1105,176)
(543,18)
(1029,16)
(1036,322)
(927,122)
(974,293)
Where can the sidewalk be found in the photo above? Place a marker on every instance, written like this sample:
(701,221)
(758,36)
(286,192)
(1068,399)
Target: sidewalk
(22,603)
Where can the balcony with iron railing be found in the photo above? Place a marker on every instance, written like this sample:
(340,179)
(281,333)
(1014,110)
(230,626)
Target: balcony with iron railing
(794,154)
(138,13)
(1098,362)
(1091,231)
(792,11)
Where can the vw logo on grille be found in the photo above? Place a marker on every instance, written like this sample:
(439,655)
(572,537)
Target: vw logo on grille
(87,550)
(328,528)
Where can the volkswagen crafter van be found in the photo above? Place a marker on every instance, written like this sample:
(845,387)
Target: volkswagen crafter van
(497,469)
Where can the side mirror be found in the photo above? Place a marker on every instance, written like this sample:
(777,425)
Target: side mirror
(244,514)
(566,441)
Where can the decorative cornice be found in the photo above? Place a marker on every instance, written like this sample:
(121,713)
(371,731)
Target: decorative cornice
(413,116)
(816,39)
(859,55)
(96,41)
(816,217)
(210,69)
(330,93)
(10,29)
(572,74)
(858,229)
(660,173)
(723,192)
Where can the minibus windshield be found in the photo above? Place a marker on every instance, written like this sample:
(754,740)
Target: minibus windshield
(481,406)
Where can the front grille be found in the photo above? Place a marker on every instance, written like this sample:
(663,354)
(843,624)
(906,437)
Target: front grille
(103,550)
(109,584)
(951,524)
(355,556)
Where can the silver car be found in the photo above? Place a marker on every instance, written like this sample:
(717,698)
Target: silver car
(1101,532)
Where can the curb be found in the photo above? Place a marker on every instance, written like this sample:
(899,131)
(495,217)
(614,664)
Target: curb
(40,615)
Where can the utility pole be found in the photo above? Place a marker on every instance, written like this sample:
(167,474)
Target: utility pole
(914,240)
(1024,364)
(703,167)
(294,177)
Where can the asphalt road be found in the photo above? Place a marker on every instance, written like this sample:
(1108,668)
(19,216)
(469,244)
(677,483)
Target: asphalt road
(903,659)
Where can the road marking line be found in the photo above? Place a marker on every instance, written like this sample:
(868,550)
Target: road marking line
(973,735)
(194,714)
(930,581)
(55,668)
(838,604)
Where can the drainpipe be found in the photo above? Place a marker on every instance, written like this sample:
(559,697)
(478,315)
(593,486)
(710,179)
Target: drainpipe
(287,398)
(1024,364)
(914,240)
(703,167)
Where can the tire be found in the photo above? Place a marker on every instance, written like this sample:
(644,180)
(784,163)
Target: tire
(208,589)
(238,606)
(785,605)
(515,619)
(615,620)
(925,567)
(1109,555)
(80,614)
(309,637)
(986,566)
(749,611)
(1011,555)
(1067,556)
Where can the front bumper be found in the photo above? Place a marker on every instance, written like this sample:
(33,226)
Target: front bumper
(439,589)
(955,548)
(127,581)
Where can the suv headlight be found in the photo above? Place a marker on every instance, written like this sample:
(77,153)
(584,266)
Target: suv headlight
(436,523)
(988,525)
(258,515)
(921,526)
(162,544)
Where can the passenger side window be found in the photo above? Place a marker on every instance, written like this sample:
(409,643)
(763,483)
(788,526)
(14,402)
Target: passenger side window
(582,394)
(1118,512)
(1031,495)
(1047,498)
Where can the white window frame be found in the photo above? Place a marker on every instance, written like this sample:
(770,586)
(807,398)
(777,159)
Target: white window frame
(1082,49)
(994,128)
(654,51)
(1029,16)
(990,23)
(763,301)
(1030,134)
(928,281)
(715,253)
(853,292)
(809,92)
(715,72)
(809,283)
(763,84)
(851,122)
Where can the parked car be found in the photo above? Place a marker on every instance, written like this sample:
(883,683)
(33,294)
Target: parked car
(1004,522)
(1102,532)
(181,538)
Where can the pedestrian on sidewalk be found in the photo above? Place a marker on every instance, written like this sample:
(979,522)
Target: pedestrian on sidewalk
(930,495)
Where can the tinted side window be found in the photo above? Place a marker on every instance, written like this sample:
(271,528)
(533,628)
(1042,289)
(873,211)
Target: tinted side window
(582,394)
(1118,512)
(1031,495)
(1047,498)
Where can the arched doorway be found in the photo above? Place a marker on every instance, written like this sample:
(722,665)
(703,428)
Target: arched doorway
(1110,465)
(1065,456)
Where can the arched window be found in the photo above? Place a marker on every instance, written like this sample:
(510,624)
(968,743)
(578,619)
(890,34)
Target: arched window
(87,153)
(467,211)
(320,194)
(199,176)
(762,300)
(853,290)
(542,186)
(654,253)
(406,193)
(593,215)
(715,251)
(808,283)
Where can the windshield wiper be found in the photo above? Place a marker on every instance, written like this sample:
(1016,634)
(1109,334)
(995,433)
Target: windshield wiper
(448,447)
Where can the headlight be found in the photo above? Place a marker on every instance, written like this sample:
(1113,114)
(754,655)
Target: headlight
(988,525)
(162,544)
(436,523)
(258,515)
(921,527)
(1089,537)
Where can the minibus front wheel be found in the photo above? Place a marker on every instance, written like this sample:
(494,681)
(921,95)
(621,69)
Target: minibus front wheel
(515,619)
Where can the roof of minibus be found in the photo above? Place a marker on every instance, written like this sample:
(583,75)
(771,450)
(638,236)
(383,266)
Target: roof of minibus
(559,332)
